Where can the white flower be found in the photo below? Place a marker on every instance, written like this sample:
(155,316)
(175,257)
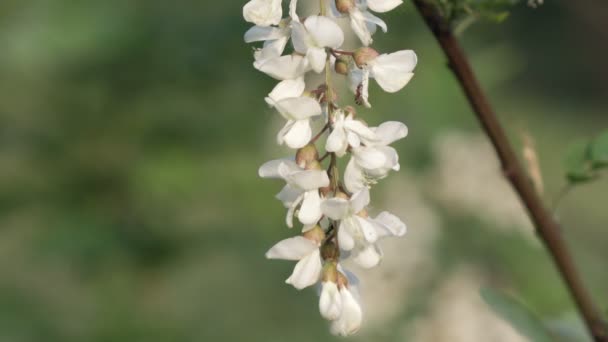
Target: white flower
(376,159)
(347,132)
(263,12)
(364,23)
(351,316)
(330,302)
(302,189)
(287,67)
(392,72)
(287,98)
(313,36)
(275,39)
(308,269)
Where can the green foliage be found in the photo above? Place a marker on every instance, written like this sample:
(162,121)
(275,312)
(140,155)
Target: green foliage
(462,13)
(516,313)
(586,159)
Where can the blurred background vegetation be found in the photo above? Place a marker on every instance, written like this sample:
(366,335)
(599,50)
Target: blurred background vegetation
(131,210)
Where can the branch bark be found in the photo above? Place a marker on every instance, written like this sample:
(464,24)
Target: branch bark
(546,226)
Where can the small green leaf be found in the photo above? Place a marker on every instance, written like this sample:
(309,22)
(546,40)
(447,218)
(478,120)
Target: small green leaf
(516,313)
(599,151)
(578,163)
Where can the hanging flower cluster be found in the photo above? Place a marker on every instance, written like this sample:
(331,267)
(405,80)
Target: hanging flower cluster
(331,209)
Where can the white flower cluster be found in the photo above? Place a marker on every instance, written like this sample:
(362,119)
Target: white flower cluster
(333,212)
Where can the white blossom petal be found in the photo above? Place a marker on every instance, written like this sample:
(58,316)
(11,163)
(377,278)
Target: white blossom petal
(310,211)
(368,229)
(389,132)
(368,256)
(336,141)
(286,67)
(271,168)
(351,316)
(391,225)
(262,33)
(307,271)
(374,21)
(393,71)
(335,208)
(317,58)
(263,12)
(286,89)
(382,6)
(294,248)
(369,158)
(324,31)
(330,302)
(299,108)
(359,200)
(309,179)
(359,25)
(299,135)
(354,178)
(291,210)
(345,238)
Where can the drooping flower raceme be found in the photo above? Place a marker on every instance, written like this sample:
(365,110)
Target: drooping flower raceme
(332,210)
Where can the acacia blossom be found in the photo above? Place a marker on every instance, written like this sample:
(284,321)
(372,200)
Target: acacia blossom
(332,210)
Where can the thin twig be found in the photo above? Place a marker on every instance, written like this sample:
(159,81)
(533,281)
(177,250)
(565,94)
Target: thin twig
(547,228)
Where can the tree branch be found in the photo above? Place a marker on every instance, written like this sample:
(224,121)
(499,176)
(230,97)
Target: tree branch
(546,226)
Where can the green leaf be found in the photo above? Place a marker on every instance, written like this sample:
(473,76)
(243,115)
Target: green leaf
(599,151)
(578,163)
(516,313)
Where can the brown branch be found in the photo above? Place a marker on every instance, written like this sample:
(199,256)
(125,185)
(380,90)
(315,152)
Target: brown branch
(546,227)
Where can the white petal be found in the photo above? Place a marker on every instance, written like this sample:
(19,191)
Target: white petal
(300,38)
(364,96)
(293,5)
(374,21)
(294,248)
(330,302)
(309,179)
(286,89)
(361,130)
(272,49)
(336,142)
(299,108)
(355,78)
(263,12)
(368,229)
(310,211)
(359,200)
(283,68)
(299,135)
(382,6)
(391,224)
(317,58)
(345,238)
(369,158)
(389,132)
(393,71)
(307,271)
(283,131)
(261,33)
(335,208)
(324,31)
(271,169)
(288,195)
(351,317)
(291,210)
(367,257)
(359,25)
(354,178)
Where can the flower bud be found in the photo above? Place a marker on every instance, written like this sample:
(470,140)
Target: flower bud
(315,234)
(341,65)
(329,251)
(307,154)
(330,301)
(345,6)
(313,165)
(342,195)
(365,55)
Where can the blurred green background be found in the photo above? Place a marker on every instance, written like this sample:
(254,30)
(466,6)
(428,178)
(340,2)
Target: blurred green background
(131,210)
